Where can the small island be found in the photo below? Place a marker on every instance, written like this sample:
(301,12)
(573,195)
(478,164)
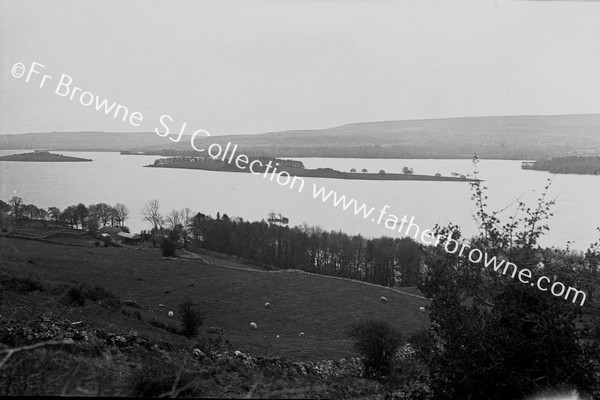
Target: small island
(296,168)
(42,156)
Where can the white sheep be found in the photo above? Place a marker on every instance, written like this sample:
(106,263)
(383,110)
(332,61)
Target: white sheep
(422,309)
(301,334)
(253,325)
(267,305)
(384,299)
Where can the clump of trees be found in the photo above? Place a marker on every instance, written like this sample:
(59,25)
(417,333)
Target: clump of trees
(76,216)
(176,224)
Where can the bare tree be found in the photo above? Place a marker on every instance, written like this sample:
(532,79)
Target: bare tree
(16,204)
(151,213)
(173,219)
(187,218)
(121,213)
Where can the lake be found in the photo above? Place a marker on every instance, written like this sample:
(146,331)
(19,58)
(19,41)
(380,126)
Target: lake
(113,178)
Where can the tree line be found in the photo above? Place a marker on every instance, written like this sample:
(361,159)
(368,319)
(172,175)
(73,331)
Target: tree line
(76,216)
(384,261)
(566,165)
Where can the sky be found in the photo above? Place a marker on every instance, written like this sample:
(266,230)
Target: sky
(242,67)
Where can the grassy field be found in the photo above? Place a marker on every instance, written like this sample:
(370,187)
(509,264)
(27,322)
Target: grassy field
(232,297)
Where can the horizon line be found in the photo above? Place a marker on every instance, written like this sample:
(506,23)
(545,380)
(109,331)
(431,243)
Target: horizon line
(330,127)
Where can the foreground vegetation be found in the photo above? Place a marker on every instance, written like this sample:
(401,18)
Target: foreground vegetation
(97,350)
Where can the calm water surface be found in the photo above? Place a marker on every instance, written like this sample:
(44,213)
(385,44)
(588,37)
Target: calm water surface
(113,178)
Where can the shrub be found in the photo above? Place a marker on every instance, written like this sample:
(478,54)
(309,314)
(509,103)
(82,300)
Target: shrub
(99,293)
(190,319)
(75,296)
(168,247)
(423,343)
(21,284)
(159,378)
(377,342)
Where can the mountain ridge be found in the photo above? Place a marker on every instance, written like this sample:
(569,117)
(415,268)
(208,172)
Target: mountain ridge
(508,137)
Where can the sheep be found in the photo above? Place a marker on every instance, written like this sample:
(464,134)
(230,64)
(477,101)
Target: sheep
(384,299)
(301,334)
(422,309)
(253,325)
(267,305)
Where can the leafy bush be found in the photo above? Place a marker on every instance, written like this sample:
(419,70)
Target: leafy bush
(168,247)
(21,284)
(190,319)
(99,293)
(503,339)
(75,296)
(377,342)
(161,377)
(423,343)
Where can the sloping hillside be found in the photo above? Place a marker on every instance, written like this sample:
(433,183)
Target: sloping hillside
(321,307)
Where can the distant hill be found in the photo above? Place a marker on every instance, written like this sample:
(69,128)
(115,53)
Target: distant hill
(510,137)
(80,141)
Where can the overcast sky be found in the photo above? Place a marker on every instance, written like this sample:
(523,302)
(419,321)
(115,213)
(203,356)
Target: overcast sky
(257,66)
